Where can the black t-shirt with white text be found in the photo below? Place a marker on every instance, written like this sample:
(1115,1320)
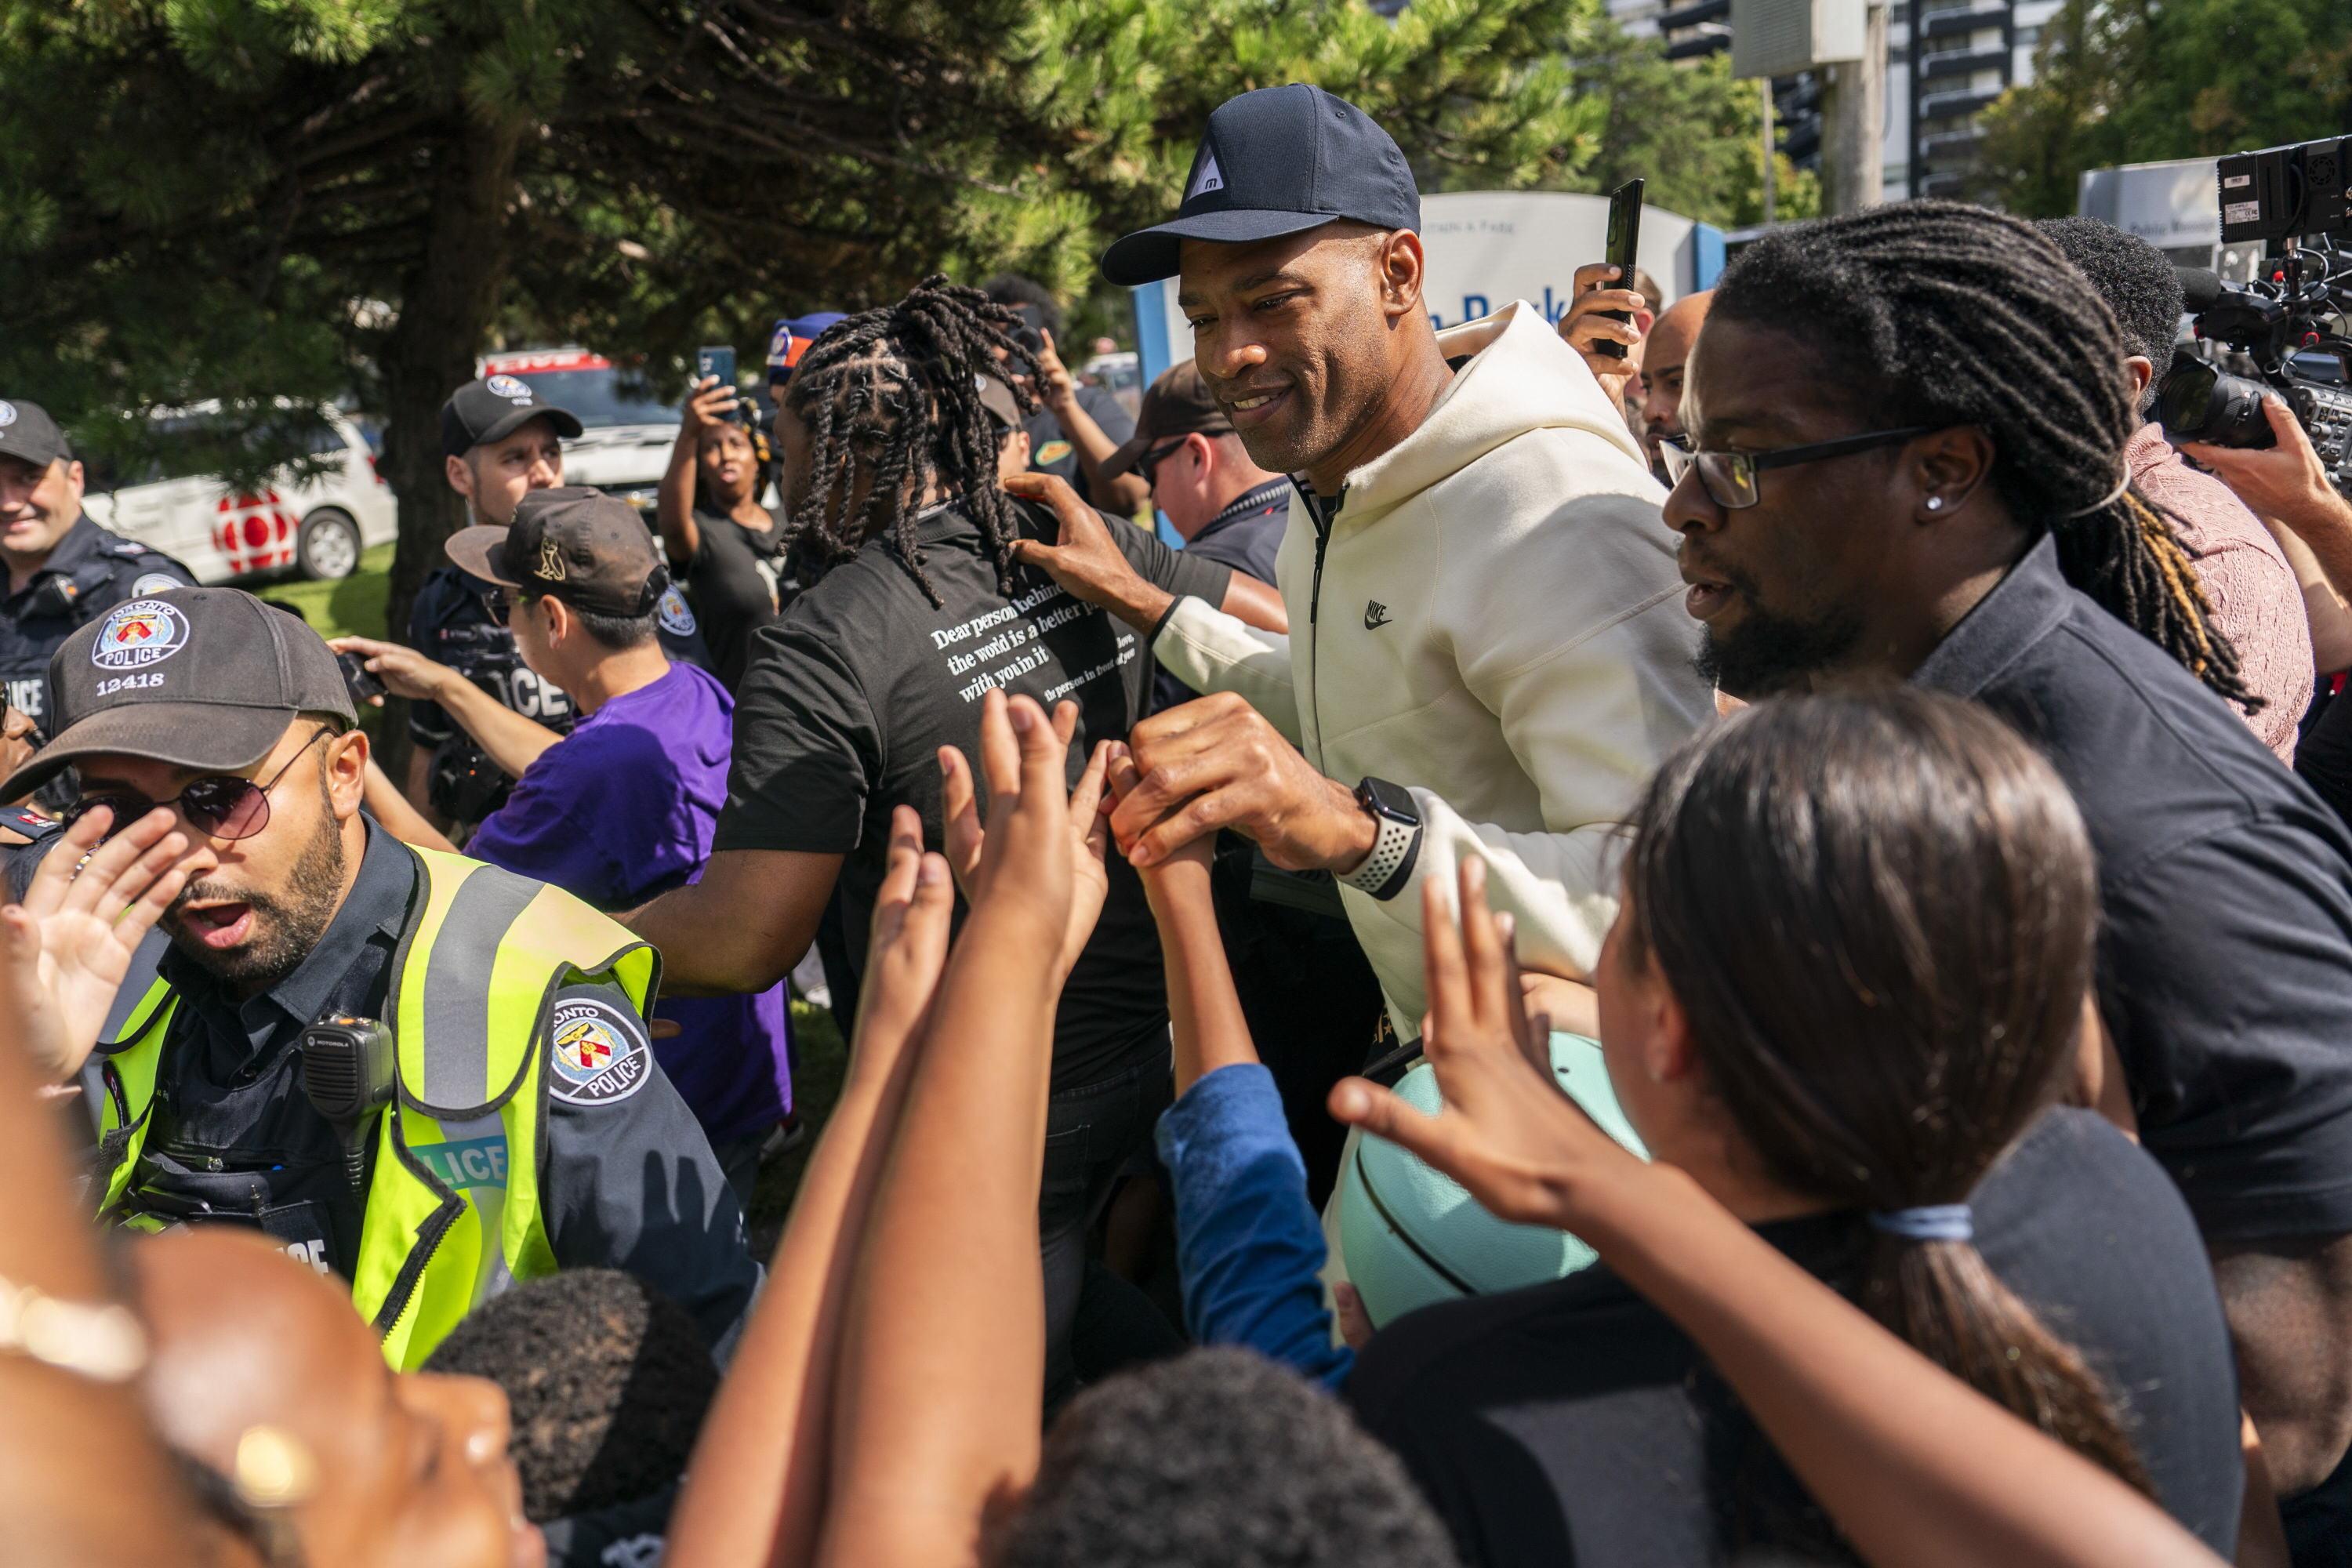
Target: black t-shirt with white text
(852,691)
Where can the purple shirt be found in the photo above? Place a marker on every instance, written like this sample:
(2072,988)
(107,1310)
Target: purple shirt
(622,809)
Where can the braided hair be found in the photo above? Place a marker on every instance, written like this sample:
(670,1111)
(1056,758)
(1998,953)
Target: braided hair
(1937,313)
(889,397)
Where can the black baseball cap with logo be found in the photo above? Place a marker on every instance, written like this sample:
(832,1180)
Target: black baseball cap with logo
(495,408)
(1177,404)
(26,431)
(1271,162)
(575,543)
(205,679)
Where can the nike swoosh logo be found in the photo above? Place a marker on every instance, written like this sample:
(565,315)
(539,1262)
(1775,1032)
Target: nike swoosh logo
(1376,615)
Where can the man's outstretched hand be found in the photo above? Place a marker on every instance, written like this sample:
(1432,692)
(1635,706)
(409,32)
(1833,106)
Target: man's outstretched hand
(1215,762)
(1085,560)
(64,949)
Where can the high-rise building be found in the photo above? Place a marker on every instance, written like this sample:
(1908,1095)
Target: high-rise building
(1967,54)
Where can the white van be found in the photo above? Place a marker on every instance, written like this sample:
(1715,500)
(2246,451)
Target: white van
(317,526)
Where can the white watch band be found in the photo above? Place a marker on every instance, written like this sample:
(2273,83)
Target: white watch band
(1391,851)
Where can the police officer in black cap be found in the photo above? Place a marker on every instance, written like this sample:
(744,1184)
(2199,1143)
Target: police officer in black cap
(64,570)
(425,1075)
(501,441)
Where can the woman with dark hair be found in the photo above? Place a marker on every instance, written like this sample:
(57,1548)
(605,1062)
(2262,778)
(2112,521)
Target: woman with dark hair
(726,546)
(915,609)
(1840,998)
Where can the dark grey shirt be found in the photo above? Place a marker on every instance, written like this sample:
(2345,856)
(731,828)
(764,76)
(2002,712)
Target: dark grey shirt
(2225,952)
(627,1181)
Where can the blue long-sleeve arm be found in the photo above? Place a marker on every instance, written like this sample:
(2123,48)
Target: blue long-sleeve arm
(1248,1245)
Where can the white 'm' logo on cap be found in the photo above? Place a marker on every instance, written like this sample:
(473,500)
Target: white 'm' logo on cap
(1206,178)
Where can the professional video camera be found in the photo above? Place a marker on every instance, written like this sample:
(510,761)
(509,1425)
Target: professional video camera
(2294,201)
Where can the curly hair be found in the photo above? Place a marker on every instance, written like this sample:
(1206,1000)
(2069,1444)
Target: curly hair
(607,1379)
(1937,313)
(1217,1457)
(2132,276)
(892,403)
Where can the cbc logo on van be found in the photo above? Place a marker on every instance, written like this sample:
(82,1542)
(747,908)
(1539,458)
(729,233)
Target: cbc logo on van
(137,634)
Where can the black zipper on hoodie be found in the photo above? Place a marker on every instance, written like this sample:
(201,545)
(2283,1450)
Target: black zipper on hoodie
(1325,512)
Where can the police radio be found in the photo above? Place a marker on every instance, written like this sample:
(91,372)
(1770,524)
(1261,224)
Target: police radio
(347,1074)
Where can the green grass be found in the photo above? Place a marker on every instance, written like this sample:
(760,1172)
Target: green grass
(349,607)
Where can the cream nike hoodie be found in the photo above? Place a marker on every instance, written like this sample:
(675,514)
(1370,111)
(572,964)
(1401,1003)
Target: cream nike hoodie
(1495,622)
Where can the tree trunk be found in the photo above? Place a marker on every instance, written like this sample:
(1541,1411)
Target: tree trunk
(446,306)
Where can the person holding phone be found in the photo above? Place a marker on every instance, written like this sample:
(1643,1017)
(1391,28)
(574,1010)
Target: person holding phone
(725,544)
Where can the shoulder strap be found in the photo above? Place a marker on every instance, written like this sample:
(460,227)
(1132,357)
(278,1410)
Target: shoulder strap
(480,960)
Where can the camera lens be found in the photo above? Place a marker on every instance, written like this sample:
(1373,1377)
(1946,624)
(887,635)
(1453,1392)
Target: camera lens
(2198,403)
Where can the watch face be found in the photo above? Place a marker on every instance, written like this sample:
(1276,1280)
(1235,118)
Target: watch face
(1382,798)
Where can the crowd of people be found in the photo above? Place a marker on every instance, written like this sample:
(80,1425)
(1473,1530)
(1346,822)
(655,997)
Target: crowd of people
(1736,951)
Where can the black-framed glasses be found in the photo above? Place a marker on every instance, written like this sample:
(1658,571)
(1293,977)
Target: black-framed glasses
(1729,478)
(221,806)
(1148,464)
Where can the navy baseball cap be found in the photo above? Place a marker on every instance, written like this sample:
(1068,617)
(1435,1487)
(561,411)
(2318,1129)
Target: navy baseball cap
(1271,162)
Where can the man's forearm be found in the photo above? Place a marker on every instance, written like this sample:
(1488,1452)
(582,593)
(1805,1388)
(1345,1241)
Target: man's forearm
(2327,530)
(511,741)
(742,927)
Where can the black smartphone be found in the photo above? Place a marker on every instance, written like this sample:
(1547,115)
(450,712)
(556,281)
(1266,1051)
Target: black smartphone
(719,362)
(364,687)
(1624,240)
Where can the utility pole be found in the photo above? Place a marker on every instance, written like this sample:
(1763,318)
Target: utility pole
(1764,91)
(1853,120)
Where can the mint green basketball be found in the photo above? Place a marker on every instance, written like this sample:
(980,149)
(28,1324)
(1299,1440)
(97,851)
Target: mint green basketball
(1411,1236)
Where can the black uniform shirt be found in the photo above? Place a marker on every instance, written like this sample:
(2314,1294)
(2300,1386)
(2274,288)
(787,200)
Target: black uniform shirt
(90,573)
(627,1181)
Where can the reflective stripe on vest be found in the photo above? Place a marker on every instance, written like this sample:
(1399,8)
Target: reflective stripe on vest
(482,954)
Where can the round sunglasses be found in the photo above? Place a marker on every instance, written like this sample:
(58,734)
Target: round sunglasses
(221,806)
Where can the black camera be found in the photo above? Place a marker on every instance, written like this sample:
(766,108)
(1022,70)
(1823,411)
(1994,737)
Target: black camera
(2288,323)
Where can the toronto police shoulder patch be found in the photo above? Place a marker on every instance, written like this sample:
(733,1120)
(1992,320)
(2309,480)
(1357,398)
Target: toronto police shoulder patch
(673,615)
(598,1053)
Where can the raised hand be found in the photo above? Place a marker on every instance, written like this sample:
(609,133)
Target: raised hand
(64,949)
(1004,752)
(908,950)
(1584,326)
(1507,1133)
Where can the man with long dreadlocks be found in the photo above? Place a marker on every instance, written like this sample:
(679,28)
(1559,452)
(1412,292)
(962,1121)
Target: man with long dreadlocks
(1907,458)
(917,616)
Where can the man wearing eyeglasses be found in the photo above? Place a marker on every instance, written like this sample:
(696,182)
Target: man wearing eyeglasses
(426,1075)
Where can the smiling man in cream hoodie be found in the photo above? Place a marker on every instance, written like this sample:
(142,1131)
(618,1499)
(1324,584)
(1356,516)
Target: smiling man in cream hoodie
(1486,653)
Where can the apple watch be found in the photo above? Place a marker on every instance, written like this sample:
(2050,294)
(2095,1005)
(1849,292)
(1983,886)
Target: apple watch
(1389,866)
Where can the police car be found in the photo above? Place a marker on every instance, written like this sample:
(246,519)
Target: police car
(315,526)
(627,431)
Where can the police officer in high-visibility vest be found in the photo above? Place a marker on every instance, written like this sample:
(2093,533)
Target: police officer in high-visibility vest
(63,571)
(421,1073)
